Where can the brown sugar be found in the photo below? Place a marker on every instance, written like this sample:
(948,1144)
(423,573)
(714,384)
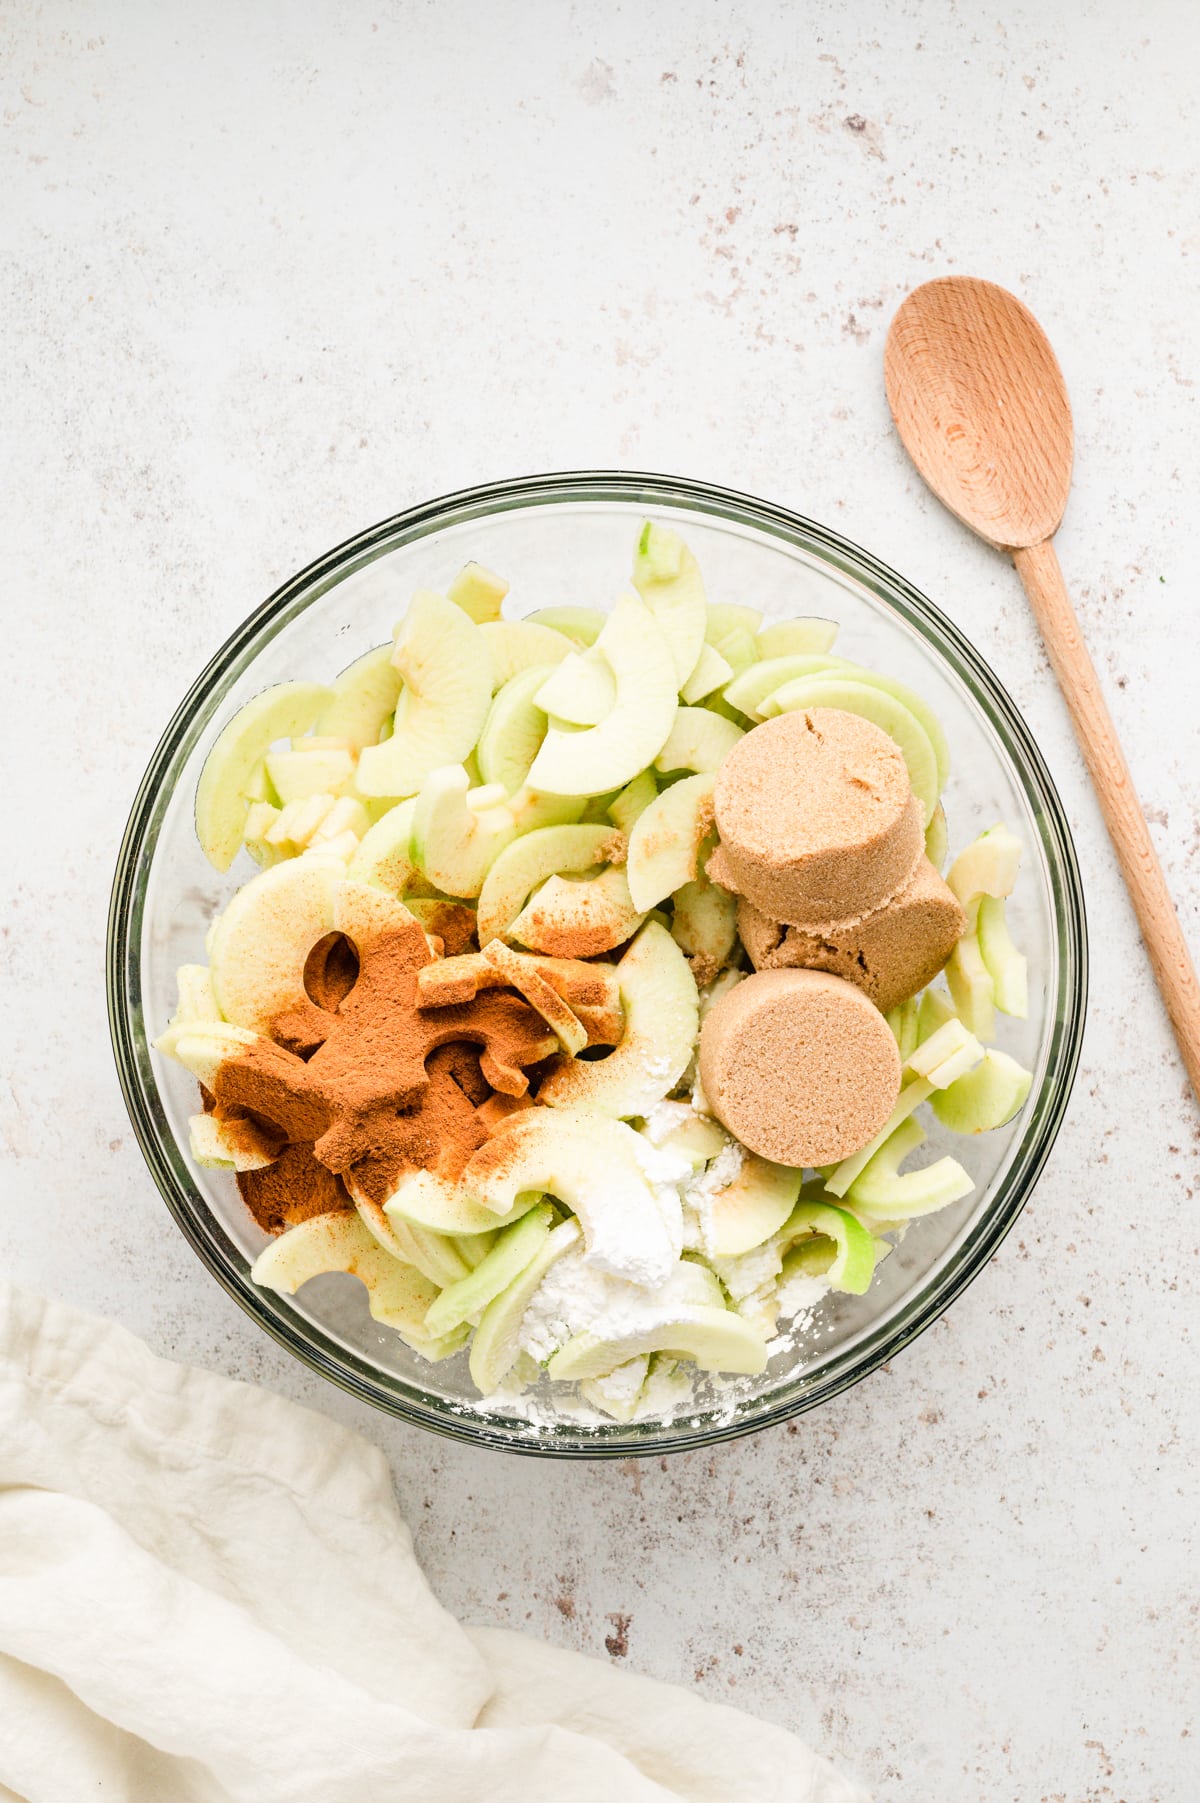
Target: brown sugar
(799,1066)
(817,819)
(890,954)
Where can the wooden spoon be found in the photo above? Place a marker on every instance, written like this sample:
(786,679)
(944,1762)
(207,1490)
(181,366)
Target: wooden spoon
(980,403)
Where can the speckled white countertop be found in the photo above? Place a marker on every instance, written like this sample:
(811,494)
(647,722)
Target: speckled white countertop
(273,272)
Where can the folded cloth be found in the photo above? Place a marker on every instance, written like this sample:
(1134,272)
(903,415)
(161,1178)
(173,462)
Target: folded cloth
(207,1596)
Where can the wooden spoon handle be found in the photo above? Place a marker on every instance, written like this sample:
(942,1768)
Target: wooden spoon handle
(1039,571)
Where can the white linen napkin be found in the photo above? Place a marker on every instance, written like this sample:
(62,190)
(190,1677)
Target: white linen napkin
(207,1596)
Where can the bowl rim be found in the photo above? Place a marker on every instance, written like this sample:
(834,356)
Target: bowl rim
(939,634)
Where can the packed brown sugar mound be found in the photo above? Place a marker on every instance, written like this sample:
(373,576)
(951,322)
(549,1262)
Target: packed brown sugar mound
(799,1066)
(817,820)
(890,954)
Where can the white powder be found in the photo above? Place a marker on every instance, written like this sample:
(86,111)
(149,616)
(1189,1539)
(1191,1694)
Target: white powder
(663,1119)
(697,1195)
(575,1296)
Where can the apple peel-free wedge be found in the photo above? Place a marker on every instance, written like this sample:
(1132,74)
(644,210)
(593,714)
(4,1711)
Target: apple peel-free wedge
(235,1145)
(295,775)
(196,1000)
(988,866)
(1005,965)
(667,577)
(626,808)
(516,645)
(383,856)
(704,925)
(806,637)
(525,978)
(753,686)
(583,624)
(397,1294)
(664,846)
(699,740)
(445,1205)
(447,670)
(594,1167)
(984,1098)
(524,865)
(496,1341)
(578,917)
(606,757)
(454,843)
(479,592)
(262,940)
(514,729)
(709,1336)
(712,672)
(971,987)
(659,997)
(232,767)
(754,1205)
(946,1055)
(581,690)
(364,699)
(435,1255)
(514,1251)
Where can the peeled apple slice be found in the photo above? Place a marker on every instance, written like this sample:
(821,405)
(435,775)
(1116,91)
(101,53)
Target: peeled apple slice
(514,1250)
(435,1255)
(227,1145)
(447,670)
(986,1097)
(704,922)
(593,1166)
(626,808)
(725,617)
(667,577)
(664,846)
(712,672)
(583,624)
(364,699)
(297,774)
(839,1179)
(397,1294)
(879,1191)
(202,1047)
(797,638)
(699,740)
(196,999)
(232,768)
(619,1392)
(946,1055)
(756,1204)
(495,1344)
(516,645)
(383,856)
(711,1336)
(971,987)
(608,756)
(877,705)
(454,842)
(581,690)
(936,838)
(988,866)
(1004,963)
(437,1202)
(904,1022)
(933,1011)
(578,917)
(262,940)
(526,979)
(478,591)
(853,1264)
(748,691)
(658,995)
(522,866)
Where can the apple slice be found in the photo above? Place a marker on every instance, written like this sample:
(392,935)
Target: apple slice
(712,672)
(514,729)
(495,1345)
(522,866)
(479,592)
(750,1208)
(699,740)
(971,987)
(514,1251)
(455,842)
(853,1263)
(704,926)
(839,1177)
(986,1097)
(397,1294)
(903,1020)
(658,994)
(937,838)
(594,1167)
(738,648)
(796,638)
(933,1011)
(446,1207)
(753,686)
(664,846)
(875,704)
(607,756)
(988,866)
(879,1191)
(232,768)
(516,645)
(709,1335)
(1004,963)
(447,670)
(619,1392)
(196,1000)
(526,979)
(262,940)
(667,577)
(203,1046)
(261,816)
(236,1145)
(295,775)
(581,690)
(364,699)
(731,616)
(435,1255)
(383,857)
(625,808)
(583,624)
(578,917)
(946,1055)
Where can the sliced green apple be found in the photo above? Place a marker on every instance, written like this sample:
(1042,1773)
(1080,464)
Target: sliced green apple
(607,756)
(853,1263)
(455,843)
(366,913)
(229,1145)
(384,854)
(933,1012)
(297,774)
(667,577)
(658,994)
(232,768)
(432,1201)
(262,940)
(261,816)
(203,1046)
(988,866)
(514,729)
(878,1191)
(444,660)
(631,802)
(435,1255)
(946,1055)
(513,1252)
(196,999)
(796,638)
(904,1022)
(522,866)
(1004,963)
(875,704)
(479,592)
(619,1392)
(972,989)
(578,917)
(710,1336)
(583,624)
(496,1342)
(711,673)
(364,699)
(525,977)
(516,645)
(699,740)
(984,1098)
(937,838)
(704,923)
(753,1206)
(664,845)
(839,1177)
(738,648)
(753,686)
(581,690)
(724,617)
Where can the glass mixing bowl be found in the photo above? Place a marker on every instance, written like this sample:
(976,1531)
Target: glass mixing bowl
(570,538)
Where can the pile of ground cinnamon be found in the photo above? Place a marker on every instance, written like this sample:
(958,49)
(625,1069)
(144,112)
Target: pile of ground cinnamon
(360,1082)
